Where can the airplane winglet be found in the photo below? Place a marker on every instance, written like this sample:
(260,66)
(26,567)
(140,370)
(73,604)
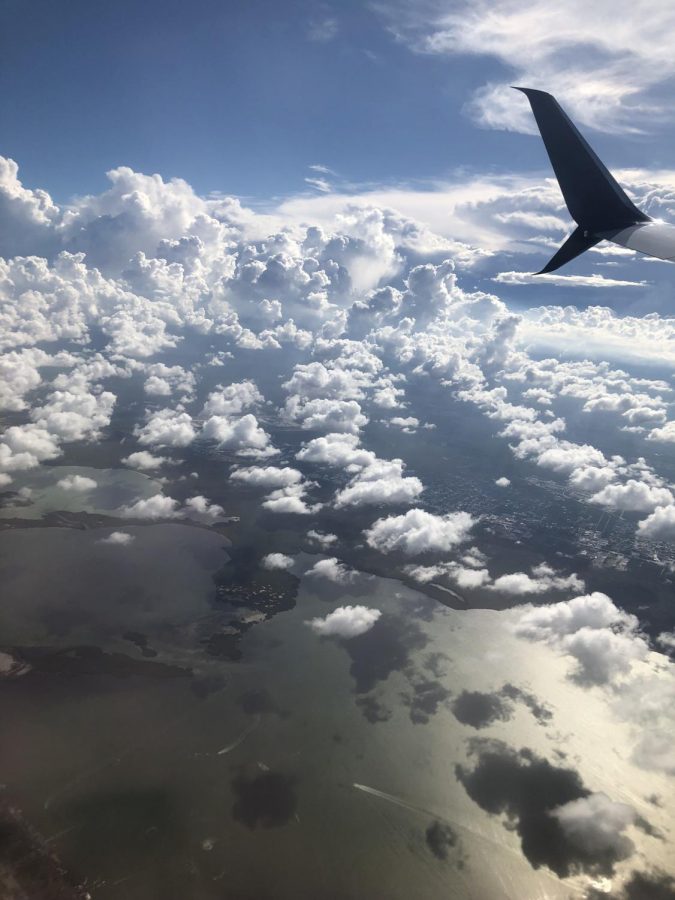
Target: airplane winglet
(576,244)
(595,200)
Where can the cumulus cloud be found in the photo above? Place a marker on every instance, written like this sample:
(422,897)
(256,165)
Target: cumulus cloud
(118,538)
(592,478)
(541,580)
(503,482)
(408,424)
(290,499)
(471,573)
(244,435)
(333,570)
(597,824)
(647,703)
(289,488)
(462,576)
(567,457)
(76,414)
(381,482)
(318,380)
(345,622)
(665,435)
(156,507)
(26,216)
(418,532)
(336,449)
(660,525)
(202,509)
(595,611)
(163,381)
(633,496)
(167,428)
(326,414)
(232,400)
(602,639)
(277,561)
(26,446)
(20,375)
(321,538)
(143,460)
(77,483)
(267,476)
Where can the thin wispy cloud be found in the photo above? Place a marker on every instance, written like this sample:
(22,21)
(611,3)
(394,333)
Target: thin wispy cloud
(323,30)
(586,281)
(605,60)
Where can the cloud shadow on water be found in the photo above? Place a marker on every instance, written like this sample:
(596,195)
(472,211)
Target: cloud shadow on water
(527,789)
(383,649)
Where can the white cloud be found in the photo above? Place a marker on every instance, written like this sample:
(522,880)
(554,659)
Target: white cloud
(381,482)
(388,397)
(647,703)
(267,476)
(333,570)
(660,525)
(601,638)
(324,414)
(277,561)
(27,215)
(596,825)
(542,580)
(581,281)
(633,496)
(76,414)
(600,331)
(232,400)
(665,435)
(317,380)
(566,457)
(418,531)
(503,482)
(244,435)
(167,428)
(26,446)
(608,63)
(468,577)
(290,499)
(336,449)
(592,478)
(143,460)
(156,507)
(602,654)
(202,509)
(19,375)
(462,576)
(667,639)
(77,483)
(173,264)
(548,622)
(163,381)
(345,622)
(325,540)
(118,538)
(408,424)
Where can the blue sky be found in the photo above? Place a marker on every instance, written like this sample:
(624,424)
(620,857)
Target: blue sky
(243,96)
(304,108)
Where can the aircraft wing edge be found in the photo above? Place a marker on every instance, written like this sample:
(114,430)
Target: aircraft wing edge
(652,238)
